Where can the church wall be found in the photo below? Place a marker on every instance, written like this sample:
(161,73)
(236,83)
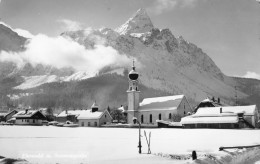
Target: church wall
(184,107)
(155,116)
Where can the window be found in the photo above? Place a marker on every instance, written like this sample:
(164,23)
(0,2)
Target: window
(33,120)
(184,112)
(151,118)
(95,123)
(88,123)
(160,116)
(82,124)
(142,118)
(22,120)
(170,116)
(105,116)
(27,120)
(184,106)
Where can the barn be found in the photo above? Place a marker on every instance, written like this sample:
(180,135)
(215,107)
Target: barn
(227,117)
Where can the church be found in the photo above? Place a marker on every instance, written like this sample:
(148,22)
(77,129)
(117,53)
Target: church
(167,108)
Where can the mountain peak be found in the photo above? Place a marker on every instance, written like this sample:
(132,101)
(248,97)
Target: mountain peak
(139,23)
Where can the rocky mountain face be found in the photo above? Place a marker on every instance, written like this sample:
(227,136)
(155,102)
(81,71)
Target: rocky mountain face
(166,64)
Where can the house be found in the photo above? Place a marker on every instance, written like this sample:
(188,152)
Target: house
(93,117)
(29,117)
(223,117)
(68,115)
(209,103)
(169,108)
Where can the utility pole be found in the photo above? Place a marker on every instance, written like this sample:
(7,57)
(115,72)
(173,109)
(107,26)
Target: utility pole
(236,94)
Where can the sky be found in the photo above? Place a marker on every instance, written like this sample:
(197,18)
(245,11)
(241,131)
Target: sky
(228,31)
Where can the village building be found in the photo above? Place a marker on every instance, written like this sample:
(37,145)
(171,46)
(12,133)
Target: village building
(68,115)
(93,117)
(209,103)
(90,117)
(223,117)
(168,108)
(29,117)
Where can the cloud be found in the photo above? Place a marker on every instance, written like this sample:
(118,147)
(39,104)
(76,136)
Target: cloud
(69,25)
(60,52)
(252,75)
(160,6)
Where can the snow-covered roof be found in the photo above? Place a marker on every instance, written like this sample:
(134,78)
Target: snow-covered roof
(161,103)
(70,112)
(206,100)
(226,110)
(209,120)
(25,113)
(88,114)
(82,114)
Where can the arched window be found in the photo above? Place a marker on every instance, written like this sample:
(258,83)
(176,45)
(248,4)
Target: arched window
(170,116)
(142,118)
(151,118)
(160,116)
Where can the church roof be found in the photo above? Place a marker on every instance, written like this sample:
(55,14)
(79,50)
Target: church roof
(161,103)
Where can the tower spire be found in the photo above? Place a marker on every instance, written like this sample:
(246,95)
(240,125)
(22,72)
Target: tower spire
(133,64)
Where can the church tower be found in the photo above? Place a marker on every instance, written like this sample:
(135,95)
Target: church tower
(133,94)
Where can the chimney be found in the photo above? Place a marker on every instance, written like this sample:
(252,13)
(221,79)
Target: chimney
(220,109)
(26,110)
(66,111)
(218,100)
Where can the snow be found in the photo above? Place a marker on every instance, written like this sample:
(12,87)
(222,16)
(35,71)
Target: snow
(81,75)
(162,103)
(197,120)
(114,145)
(137,35)
(82,114)
(226,110)
(206,100)
(29,113)
(34,81)
(139,23)
(87,114)
(70,112)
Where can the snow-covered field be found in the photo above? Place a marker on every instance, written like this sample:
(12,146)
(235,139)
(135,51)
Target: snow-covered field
(115,145)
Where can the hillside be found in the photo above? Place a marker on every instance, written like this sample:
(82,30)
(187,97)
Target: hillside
(106,90)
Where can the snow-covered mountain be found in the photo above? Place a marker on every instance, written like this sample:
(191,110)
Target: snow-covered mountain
(166,63)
